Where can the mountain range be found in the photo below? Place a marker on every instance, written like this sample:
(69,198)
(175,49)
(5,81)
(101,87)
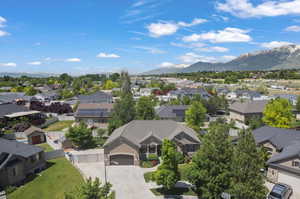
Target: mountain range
(285,57)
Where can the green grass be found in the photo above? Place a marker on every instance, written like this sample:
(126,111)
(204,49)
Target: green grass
(46,147)
(174,191)
(52,183)
(58,126)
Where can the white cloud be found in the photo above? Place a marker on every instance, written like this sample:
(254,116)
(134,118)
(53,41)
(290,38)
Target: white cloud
(139,3)
(196,21)
(221,36)
(2,22)
(151,50)
(213,49)
(245,9)
(35,63)
(193,58)
(3,33)
(168,28)
(227,58)
(293,29)
(162,29)
(105,55)
(171,65)
(275,44)
(73,60)
(9,64)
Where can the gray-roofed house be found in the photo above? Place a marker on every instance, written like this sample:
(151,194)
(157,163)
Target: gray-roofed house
(18,160)
(244,111)
(283,146)
(8,97)
(190,92)
(134,141)
(94,114)
(172,112)
(98,97)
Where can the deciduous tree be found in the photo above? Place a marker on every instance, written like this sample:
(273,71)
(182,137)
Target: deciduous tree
(195,115)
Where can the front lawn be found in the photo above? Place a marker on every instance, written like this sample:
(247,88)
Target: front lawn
(46,147)
(52,183)
(59,126)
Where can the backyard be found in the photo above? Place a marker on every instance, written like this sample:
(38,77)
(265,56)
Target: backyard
(59,126)
(52,183)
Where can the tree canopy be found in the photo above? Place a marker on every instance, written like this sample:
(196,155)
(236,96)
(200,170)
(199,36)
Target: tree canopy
(195,115)
(278,113)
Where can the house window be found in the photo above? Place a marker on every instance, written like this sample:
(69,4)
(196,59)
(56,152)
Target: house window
(152,148)
(296,164)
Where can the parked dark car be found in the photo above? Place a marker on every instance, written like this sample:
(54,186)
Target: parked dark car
(281,191)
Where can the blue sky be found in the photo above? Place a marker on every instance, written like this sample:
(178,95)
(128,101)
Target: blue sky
(93,36)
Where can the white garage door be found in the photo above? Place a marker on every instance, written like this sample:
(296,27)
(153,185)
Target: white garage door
(292,180)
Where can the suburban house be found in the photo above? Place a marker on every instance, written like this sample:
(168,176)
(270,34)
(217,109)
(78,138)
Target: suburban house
(190,92)
(244,111)
(98,97)
(18,161)
(172,112)
(133,142)
(45,97)
(34,135)
(93,114)
(284,148)
(18,97)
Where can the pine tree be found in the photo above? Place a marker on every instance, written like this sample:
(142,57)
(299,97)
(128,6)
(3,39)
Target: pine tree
(247,182)
(210,170)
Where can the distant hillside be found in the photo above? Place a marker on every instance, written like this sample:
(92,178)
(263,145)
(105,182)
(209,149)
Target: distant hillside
(285,57)
(161,71)
(41,75)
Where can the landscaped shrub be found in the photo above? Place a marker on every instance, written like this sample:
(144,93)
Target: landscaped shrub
(152,157)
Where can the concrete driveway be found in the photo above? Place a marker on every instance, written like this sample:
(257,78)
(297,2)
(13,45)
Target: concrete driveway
(127,181)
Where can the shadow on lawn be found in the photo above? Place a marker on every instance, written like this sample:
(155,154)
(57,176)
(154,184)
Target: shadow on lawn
(36,173)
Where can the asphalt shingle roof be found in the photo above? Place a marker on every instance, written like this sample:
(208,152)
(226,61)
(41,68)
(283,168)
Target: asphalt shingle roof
(18,148)
(256,106)
(136,131)
(98,97)
(171,111)
(7,109)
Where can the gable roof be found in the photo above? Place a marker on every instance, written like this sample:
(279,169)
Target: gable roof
(279,137)
(137,130)
(7,109)
(171,111)
(18,148)
(98,97)
(291,151)
(94,110)
(8,97)
(32,129)
(191,91)
(256,106)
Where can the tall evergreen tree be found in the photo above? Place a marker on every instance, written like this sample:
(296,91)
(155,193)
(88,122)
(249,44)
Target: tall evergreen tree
(126,84)
(247,182)
(210,170)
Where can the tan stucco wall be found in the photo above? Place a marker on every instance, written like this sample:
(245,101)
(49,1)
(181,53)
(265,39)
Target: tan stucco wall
(289,163)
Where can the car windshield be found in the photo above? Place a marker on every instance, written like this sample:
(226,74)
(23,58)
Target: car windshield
(276,195)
